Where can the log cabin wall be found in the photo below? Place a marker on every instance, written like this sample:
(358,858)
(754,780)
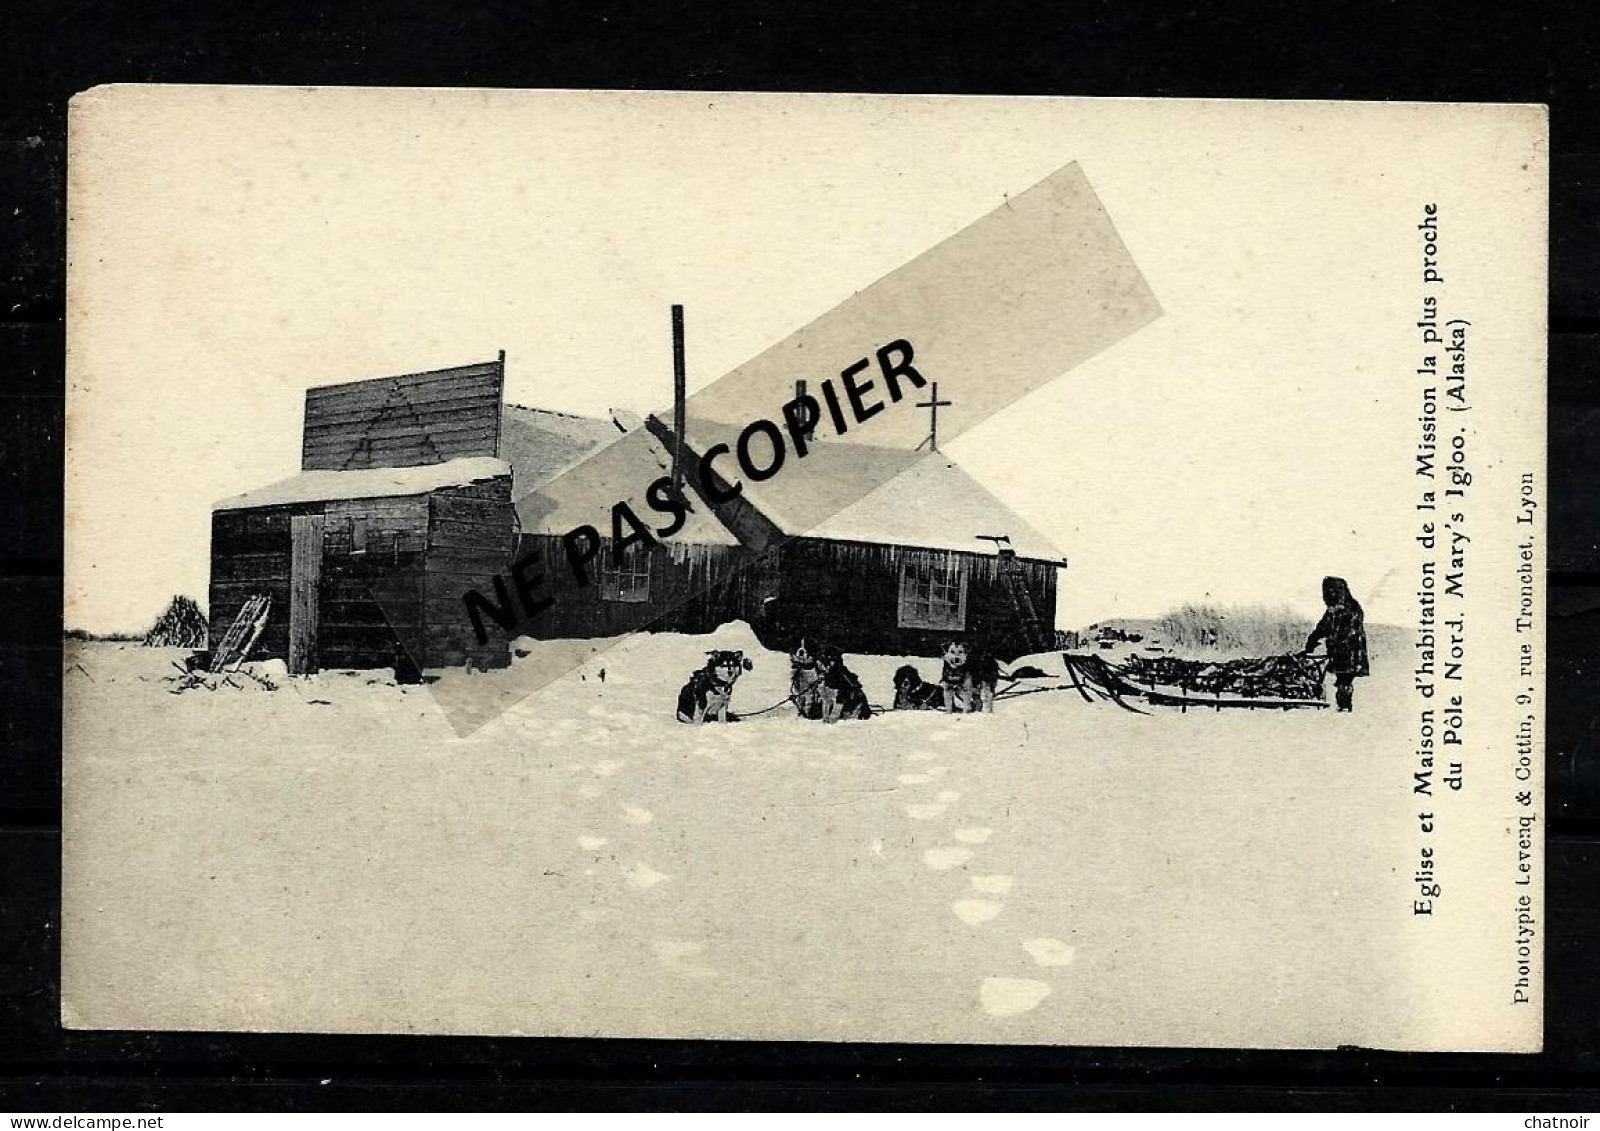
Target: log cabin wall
(471,538)
(433,548)
(691,588)
(370,545)
(250,552)
(847,594)
(418,551)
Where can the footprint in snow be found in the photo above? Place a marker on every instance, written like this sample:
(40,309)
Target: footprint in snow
(973,835)
(1008,997)
(944,858)
(1049,952)
(641,875)
(975,912)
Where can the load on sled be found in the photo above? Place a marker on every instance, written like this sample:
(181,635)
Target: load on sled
(1284,682)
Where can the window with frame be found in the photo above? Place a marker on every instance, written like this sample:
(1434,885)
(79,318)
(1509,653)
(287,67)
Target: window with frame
(933,594)
(629,581)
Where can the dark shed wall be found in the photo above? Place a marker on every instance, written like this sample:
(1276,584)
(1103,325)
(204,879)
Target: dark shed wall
(693,588)
(471,536)
(250,555)
(848,595)
(434,548)
(370,545)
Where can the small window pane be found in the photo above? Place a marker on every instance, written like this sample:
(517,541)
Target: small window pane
(933,594)
(629,581)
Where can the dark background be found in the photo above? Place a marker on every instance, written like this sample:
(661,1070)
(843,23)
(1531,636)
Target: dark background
(1519,53)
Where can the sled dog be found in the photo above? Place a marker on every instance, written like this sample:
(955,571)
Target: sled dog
(709,691)
(913,693)
(968,680)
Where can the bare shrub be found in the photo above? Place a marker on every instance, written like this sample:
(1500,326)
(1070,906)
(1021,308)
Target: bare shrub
(183,625)
(1254,630)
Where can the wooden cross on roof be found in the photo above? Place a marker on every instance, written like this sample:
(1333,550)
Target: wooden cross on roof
(932,404)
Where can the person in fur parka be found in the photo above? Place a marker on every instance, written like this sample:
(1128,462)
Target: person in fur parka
(1343,631)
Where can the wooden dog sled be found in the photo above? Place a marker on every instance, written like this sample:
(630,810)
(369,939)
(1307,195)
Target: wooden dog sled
(1276,683)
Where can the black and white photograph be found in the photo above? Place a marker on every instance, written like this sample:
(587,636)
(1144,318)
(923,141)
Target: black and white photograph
(869,568)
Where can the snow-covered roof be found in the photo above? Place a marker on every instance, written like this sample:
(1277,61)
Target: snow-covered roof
(934,503)
(368,483)
(620,471)
(920,498)
(540,444)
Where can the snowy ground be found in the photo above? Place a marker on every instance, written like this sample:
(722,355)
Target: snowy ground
(330,856)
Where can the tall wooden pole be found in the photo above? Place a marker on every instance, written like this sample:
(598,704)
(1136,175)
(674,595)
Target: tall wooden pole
(680,388)
(499,417)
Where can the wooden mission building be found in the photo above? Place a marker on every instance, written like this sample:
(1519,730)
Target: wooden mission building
(416,488)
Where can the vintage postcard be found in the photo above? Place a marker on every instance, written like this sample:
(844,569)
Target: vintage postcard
(860,568)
